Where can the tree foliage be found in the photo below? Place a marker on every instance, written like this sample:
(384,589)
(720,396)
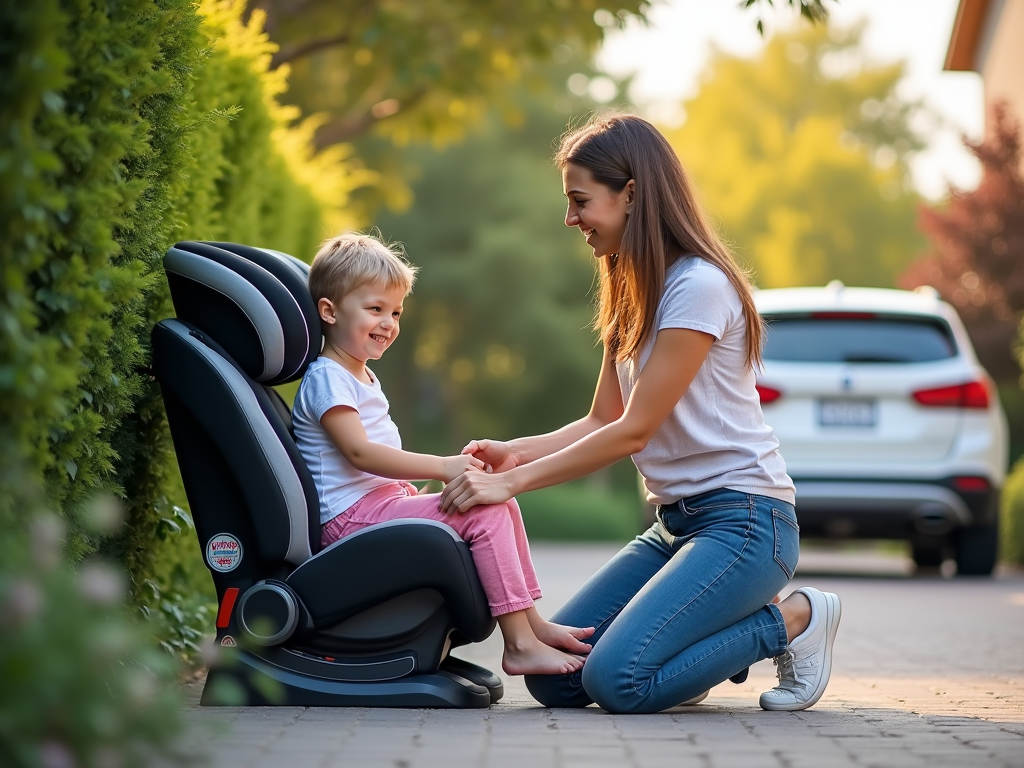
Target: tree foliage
(430,71)
(800,153)
(976,247)
(495,341)
(423,70)
(814,11)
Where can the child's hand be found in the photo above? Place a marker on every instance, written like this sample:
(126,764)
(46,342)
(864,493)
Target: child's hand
(456,465)
(497,455)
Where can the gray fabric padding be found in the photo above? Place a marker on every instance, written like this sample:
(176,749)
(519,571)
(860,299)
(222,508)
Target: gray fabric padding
(298,550)
(288,261)
(244,295)
(301,268)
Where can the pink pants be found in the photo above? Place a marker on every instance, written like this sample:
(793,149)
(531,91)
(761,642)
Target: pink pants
(495,534)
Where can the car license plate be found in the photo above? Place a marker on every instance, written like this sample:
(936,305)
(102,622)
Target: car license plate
(846,413)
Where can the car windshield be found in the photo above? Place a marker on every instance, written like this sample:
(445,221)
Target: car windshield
(856,339)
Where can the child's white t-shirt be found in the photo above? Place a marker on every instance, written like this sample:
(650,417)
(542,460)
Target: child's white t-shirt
(327,384)
(715,436)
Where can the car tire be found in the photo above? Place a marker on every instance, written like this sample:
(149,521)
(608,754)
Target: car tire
(928,555)
(977,550)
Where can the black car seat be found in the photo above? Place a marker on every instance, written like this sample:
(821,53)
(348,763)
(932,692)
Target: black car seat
(368,621)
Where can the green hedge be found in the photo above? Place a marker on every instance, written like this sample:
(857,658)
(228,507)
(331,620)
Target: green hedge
(1011,517)
(129,125)
(126,125)
(241,173)
(80,237)
(579,511)
(81,685)
(1011,522)
(83,193)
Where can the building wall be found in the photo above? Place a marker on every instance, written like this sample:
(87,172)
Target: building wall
(1000,55)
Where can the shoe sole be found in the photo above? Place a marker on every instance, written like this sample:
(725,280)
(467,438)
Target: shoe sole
(695,700)
(833,613)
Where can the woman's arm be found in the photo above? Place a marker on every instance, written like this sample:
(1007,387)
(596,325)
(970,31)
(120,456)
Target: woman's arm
(346,431)
(677,356)
(606,408)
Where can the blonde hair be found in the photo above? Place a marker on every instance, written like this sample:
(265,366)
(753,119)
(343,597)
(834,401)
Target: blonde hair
(346,262)
(665,221)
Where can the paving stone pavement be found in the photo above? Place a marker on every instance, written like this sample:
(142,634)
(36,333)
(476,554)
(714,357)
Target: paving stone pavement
(928,671)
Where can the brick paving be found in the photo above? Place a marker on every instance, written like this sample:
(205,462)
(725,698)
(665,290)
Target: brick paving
(928,672)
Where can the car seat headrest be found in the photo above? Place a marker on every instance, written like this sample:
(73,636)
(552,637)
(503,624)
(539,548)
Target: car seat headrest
(253,301)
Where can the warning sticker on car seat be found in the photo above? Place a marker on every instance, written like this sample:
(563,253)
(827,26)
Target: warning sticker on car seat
(224,552)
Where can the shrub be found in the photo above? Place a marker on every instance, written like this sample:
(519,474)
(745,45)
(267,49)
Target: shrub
(1011,518)
(1011,512)
(127,125)
(580,512)
(81,684)
(130,125)
(81,79)
(84,200)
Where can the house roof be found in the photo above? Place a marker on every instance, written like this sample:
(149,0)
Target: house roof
(963,43)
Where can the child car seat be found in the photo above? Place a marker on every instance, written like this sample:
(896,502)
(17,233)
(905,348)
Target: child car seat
(368,621)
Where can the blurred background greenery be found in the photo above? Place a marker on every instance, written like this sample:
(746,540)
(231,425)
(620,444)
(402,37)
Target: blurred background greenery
(134,124)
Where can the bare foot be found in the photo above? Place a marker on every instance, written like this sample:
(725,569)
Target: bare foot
(560,636)
(536,658)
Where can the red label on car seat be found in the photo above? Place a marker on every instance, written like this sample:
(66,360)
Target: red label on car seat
(223,552)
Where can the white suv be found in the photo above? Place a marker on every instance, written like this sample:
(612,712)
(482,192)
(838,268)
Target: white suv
(888,425)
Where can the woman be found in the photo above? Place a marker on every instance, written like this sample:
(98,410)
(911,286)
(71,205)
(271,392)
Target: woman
(688,603)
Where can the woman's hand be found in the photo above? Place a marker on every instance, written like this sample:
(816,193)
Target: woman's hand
(494,453)
(471,489)
(454,466)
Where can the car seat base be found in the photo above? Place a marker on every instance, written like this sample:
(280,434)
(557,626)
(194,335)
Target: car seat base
(245,680)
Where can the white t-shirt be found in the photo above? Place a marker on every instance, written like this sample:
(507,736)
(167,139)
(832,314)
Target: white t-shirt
(325,385)
(715,436)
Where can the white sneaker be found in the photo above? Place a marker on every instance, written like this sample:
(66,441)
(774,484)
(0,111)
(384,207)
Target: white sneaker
(695,700)
(804,668)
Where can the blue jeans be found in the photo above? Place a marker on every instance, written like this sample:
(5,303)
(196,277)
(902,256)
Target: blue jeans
(683,606)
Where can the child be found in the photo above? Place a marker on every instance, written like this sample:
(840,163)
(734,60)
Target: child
(354,451)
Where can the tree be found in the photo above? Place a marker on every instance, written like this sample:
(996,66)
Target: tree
(495,341)
(410,71)
(976,254)
(423,69)
(812,10)
(428,69)
(800,153)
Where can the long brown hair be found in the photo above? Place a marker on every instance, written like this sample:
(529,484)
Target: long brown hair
(665,221)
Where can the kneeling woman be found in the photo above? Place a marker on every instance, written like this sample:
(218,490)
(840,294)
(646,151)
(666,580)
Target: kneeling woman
(687,604)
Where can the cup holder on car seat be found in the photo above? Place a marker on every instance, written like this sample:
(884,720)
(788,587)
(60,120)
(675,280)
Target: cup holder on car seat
(268,613)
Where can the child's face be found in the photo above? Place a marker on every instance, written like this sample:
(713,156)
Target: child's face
(365,322)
